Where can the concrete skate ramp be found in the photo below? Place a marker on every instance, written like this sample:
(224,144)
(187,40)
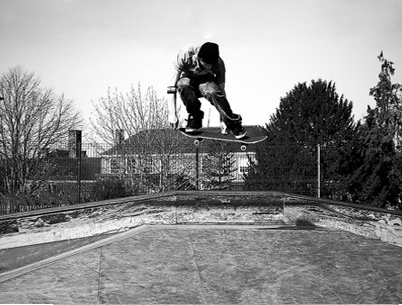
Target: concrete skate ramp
(233,256)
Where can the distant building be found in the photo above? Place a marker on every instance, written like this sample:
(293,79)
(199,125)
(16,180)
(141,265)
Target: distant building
(167,152)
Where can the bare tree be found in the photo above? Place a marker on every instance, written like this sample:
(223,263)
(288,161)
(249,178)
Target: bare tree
(150,157)
(32,120)
(162,161)
(131,112)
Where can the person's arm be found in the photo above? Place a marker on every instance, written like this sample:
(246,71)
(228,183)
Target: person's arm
(221,76)
(183,61)
(172,101)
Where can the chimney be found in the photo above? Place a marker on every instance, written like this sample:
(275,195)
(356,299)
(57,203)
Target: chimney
(118,136)
(74,143)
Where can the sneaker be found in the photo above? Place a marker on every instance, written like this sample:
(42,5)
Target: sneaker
(238,131)
(194,122)
(236,127)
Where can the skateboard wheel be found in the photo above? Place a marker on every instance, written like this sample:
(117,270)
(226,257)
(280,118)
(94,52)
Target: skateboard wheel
(243,147)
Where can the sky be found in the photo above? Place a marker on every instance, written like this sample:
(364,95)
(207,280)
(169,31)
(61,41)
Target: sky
(80,48)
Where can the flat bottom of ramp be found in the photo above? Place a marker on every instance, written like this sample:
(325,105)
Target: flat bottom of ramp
(214,265)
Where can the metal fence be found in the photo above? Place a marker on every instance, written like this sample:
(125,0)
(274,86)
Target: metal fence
(92,171)
(10,209)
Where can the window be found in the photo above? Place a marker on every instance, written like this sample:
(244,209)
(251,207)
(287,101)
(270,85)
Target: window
(114,166)
(243,165)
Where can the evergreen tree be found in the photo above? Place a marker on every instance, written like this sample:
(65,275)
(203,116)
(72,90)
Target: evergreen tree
(312,115)
(388,97)
(218,166)
(307,116)
(376,156)
(283,167)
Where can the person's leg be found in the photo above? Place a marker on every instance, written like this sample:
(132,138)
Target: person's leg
(188,95)
(211,92)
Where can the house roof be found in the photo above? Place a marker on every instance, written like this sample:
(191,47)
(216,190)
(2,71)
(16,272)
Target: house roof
(157,141)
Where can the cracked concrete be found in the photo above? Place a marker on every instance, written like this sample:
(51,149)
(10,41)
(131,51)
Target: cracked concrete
(215,264)
(202,248)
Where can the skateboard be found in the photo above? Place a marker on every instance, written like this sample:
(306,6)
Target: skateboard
(255,134)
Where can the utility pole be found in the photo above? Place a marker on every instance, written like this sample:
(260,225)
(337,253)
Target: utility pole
(75,151)
(318,171)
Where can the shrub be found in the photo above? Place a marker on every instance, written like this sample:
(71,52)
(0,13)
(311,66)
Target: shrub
(108,189)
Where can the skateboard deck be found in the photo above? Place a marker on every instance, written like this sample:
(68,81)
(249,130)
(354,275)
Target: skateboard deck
(255,134)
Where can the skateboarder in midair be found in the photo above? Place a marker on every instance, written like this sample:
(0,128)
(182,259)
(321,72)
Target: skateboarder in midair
(200,72)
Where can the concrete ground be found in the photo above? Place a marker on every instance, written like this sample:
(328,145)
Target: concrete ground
(208,264)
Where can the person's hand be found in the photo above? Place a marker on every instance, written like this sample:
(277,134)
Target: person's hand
(171,89)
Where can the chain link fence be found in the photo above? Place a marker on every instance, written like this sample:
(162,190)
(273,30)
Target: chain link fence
(84,172)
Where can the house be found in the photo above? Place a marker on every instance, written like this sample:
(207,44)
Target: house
(166,153)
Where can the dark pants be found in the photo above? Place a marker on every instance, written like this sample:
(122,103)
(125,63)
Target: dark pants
(190,91)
